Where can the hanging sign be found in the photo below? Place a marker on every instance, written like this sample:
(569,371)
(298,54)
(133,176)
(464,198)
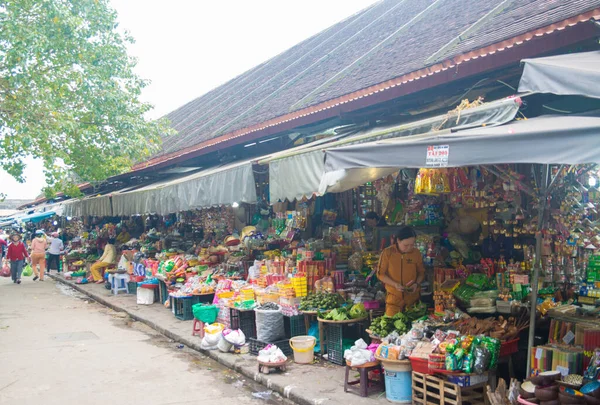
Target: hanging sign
(437,156)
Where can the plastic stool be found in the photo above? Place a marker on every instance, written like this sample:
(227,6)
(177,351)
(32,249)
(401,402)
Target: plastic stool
(366,386)
(198,328)
(119,282)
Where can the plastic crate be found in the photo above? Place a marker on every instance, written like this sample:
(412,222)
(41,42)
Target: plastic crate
(336,337)
(243,320)
(163,292)
(510,347)
(182,307)
(131,287)
(294,326)
(257,345)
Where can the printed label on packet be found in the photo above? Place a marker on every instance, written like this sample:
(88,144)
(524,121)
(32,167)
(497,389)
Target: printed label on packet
(568,338)
(538,353)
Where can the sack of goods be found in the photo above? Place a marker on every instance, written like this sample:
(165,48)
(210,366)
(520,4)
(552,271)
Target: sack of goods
(269,322)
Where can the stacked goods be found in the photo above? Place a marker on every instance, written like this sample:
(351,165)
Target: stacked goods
(500,328)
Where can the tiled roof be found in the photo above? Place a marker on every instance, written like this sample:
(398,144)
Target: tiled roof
(390,39)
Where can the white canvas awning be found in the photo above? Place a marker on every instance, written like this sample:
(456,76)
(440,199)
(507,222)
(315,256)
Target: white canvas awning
(90,206)
(212,187)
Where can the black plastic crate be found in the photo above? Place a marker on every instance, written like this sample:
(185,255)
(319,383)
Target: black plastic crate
(163,292)
(131,287)
(294,326)
(257,345)
(205,298)
(243,320)
(182,307)
(335,335)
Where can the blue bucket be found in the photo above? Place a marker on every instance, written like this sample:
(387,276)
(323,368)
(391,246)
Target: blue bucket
(398,383)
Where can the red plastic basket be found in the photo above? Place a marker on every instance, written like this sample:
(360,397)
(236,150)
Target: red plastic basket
(420,365)
(509,347)
(371,304)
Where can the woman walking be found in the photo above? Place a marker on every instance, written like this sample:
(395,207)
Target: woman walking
(17,254)
(56,249)
(38,255)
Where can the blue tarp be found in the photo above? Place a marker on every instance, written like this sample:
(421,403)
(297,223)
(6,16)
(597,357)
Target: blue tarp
(37,217)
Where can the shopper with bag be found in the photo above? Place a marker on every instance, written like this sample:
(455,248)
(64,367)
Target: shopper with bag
(17,254)
(38,254)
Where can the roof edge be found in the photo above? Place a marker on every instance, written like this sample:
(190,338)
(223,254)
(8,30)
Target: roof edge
(383,87)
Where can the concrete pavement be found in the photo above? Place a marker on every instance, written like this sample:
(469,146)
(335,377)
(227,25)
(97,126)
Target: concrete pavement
(59,347)
(316,384)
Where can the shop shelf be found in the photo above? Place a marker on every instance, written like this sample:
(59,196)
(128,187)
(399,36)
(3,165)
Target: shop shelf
(243,320)
(294,326)
(257,345)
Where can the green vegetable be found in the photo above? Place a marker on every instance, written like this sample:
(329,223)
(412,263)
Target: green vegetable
(357,311)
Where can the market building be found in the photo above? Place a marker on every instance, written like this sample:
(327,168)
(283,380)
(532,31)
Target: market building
(283,201)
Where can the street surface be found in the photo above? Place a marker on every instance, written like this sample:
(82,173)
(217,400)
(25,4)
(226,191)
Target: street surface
(58,347)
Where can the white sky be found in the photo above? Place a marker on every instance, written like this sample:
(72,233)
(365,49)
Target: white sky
(192,46)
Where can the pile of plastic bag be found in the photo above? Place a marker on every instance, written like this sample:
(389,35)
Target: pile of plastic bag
(271,354)
(359,354)
(212,335)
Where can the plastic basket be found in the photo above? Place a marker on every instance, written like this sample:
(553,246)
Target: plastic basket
(340,337)
(420,365)
(257,345)
(243,320)
(509,347)
(294,326)
(163,291)
(182,307)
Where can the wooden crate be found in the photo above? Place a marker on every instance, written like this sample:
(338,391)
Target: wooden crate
(432,390)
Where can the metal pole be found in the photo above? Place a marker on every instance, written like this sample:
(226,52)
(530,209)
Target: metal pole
(537,265)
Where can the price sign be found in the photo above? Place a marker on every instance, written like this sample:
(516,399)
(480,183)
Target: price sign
(538,353)
(437,156)
(568,338)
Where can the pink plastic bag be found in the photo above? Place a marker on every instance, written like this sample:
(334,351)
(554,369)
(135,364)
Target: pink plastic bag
(5,271)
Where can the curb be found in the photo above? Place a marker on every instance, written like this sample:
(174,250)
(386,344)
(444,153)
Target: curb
(228,360)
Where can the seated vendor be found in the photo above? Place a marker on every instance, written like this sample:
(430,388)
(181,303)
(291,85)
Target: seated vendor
(108,259)
(372,221)
(401,270)
(124,236)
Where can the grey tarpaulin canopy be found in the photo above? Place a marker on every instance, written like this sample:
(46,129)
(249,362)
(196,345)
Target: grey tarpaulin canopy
(547,139)
(571,74)
(299,172)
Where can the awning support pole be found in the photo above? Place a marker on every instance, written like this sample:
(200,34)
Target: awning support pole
(537,264)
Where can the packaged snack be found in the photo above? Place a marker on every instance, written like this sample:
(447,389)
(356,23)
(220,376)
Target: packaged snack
(482,359)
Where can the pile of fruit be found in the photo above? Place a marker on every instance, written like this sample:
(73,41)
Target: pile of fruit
(320,301)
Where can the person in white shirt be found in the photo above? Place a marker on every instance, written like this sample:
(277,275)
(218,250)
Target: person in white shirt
(56,249)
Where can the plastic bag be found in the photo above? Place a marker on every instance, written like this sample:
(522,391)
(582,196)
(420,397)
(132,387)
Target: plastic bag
(269,325)
(235,337)
(5,271)
(482,360)
(205,313)
(27,271)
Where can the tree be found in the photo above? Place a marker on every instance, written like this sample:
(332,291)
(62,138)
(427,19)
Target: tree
(68,93)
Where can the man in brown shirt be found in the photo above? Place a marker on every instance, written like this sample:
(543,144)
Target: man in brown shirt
(401,270)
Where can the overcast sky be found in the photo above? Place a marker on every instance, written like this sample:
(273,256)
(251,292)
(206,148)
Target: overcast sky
(188,47)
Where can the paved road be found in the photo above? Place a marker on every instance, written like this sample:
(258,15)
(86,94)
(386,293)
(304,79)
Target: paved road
(56,347)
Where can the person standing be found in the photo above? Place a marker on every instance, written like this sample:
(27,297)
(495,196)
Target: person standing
(401,270)
(17,254)
(56,249)
(39,244)
(108,259)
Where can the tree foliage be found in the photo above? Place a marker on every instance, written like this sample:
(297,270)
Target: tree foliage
(68,93)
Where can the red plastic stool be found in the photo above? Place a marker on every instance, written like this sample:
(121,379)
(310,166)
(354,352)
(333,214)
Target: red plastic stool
(198,328)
